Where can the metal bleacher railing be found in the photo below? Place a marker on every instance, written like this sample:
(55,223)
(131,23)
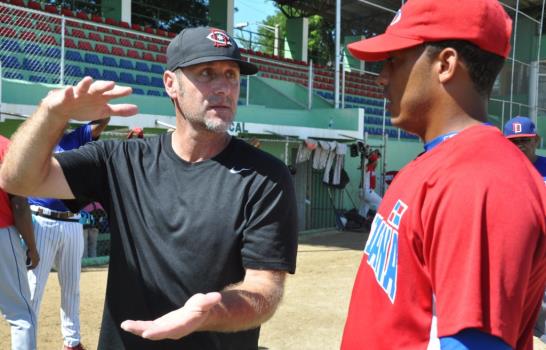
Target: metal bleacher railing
(47,48)
(43,47)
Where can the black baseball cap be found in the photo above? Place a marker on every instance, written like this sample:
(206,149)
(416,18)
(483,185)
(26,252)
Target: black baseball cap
(205,44)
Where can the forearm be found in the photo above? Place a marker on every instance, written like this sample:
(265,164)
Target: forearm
(246,305)
(28,160)
(23,220)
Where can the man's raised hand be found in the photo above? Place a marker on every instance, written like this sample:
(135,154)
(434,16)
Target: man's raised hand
(89,100)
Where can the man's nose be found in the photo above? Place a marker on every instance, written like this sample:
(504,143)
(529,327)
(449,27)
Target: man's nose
(222,85)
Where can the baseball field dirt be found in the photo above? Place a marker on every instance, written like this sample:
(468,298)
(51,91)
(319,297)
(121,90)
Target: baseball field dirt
(311,316)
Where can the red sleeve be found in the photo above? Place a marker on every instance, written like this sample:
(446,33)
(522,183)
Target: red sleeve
(482,244)
(4,144)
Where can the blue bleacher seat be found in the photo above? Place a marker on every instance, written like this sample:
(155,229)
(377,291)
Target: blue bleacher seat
(155,68)
(32,49)
(13,75)
(157,82)
(138,91)
(92,72)
(73,70)
(126,78)
(52,52)
(153,93)
(109,61)
(110,75)
(164,93)
(142,79)
(32,65)
(92,58)
(73,56)
(51,68)
(141,66)
(124,63)
(37,79)
(10,62)
(9,45)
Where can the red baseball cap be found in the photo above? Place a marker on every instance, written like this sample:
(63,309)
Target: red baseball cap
(481,22)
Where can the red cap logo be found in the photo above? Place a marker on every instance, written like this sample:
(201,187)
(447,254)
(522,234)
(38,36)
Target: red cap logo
(219,38)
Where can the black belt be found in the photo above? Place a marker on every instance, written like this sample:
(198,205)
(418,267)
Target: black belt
(60,216)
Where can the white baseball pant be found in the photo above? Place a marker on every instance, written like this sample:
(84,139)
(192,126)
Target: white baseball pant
(368,197)
(15,301)
(60,244)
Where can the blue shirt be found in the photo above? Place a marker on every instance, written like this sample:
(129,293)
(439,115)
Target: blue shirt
(540,165)
(473,339)
(74,139)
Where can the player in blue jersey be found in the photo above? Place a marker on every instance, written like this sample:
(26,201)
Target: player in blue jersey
(59,238)
(522,132)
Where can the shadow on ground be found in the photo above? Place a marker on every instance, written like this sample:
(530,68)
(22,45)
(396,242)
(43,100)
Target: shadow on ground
(342,240)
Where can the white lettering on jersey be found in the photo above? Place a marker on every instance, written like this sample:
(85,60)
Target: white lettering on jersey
(382,249)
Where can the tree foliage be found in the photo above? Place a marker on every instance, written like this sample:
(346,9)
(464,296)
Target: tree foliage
(164,14)
(170,15)
(320,43)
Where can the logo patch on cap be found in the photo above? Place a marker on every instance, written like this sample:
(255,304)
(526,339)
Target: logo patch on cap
(516,128)
(397,17)
(219,38)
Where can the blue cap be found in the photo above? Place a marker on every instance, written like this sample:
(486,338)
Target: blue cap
(519,127)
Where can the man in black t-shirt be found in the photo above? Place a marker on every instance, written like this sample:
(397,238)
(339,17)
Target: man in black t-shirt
(203,225)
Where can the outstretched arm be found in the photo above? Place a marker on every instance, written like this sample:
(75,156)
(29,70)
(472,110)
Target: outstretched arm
(23,223)
(241,306)
(28,167)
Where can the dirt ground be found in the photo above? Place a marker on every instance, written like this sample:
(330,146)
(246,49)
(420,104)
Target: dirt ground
(310,318)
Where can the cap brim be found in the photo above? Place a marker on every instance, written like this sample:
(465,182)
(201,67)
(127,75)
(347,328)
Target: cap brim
(379,47)
(245,67)
(520,135)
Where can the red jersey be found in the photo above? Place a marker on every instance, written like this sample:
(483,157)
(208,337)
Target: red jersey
(458,242)
(6,215)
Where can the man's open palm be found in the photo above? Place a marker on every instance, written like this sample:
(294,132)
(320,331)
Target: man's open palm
(178,323)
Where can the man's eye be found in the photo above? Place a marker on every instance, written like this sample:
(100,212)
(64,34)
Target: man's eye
(231,75)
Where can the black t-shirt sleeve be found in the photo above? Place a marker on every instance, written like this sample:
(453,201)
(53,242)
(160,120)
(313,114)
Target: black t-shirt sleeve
(85,171)
(270,237)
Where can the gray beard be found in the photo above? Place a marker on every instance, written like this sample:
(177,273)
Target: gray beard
(200,121)
(216,127)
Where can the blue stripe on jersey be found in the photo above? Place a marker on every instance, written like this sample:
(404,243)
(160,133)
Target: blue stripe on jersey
(473,339)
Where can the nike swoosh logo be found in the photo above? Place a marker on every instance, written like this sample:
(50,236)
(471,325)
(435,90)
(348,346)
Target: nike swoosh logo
(237,171)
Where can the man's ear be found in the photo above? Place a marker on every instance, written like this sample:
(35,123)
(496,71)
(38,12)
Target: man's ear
(171,84)
(447,63)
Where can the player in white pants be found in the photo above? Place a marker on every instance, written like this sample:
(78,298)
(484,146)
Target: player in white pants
(368,199)
(60,244)
(16,224)
(59,237)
